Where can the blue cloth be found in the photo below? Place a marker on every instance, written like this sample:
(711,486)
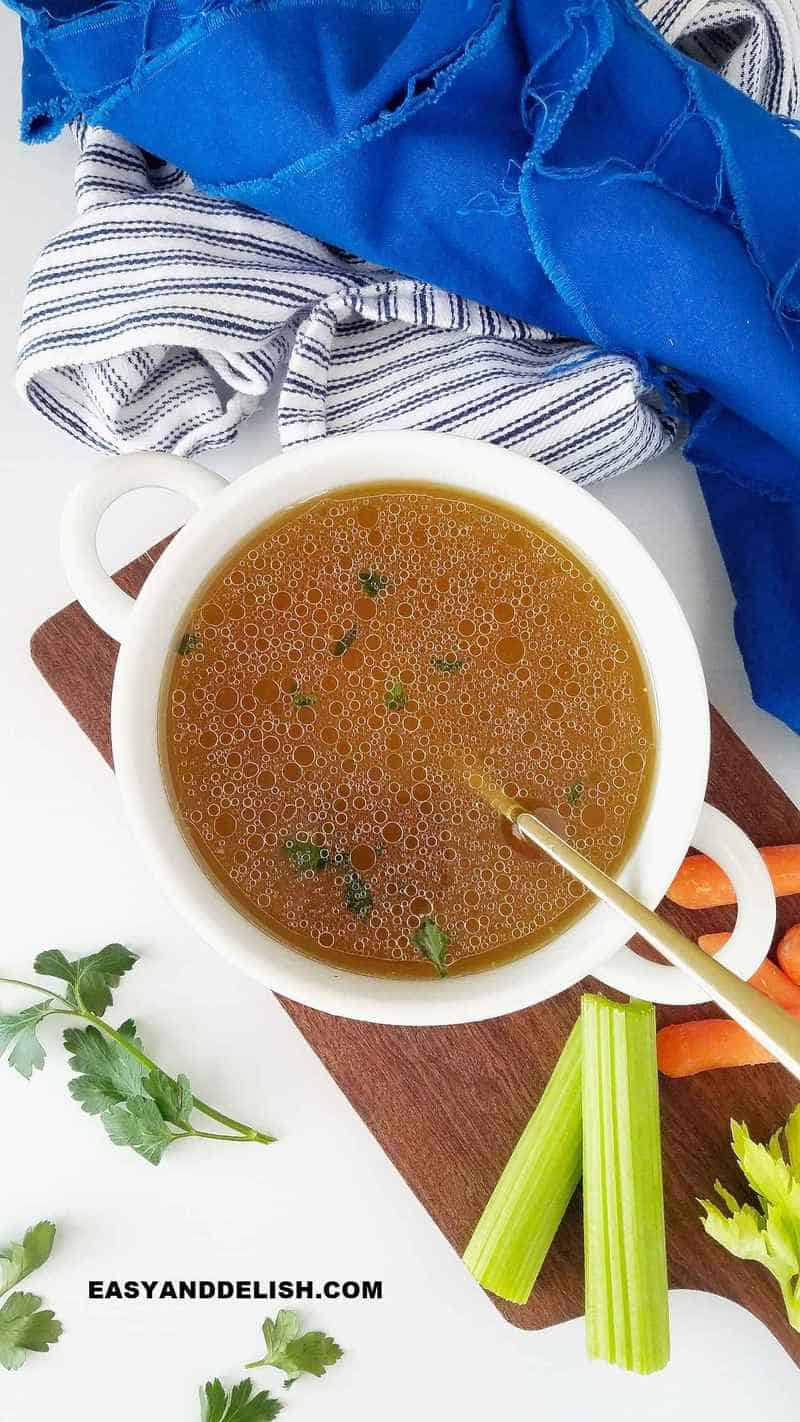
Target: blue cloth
(557,161)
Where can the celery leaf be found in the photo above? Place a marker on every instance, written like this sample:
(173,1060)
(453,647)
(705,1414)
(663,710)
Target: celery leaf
(768,1233)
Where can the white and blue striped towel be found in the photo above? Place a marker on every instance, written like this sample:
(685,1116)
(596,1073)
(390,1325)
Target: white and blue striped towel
(160,318)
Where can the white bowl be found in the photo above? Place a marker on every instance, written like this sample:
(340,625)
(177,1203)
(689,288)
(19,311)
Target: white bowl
(148,629)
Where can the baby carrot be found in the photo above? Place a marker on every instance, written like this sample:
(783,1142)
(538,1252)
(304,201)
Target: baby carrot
(789,953)
(700,883)
(768,978)
(685,1048)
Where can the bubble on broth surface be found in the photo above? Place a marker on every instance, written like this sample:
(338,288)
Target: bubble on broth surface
(331,710)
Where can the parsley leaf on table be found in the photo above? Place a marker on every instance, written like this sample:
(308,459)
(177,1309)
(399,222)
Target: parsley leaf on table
(173,1098)
(431,941)
(106,1074)
(137,1102)
(294,1352)
(25,1328)
(241,1405)
(17,1261)
(138,1123)
(91,979)
(27,1054)
(112,1084)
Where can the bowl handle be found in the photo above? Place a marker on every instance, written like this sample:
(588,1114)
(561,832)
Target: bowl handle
(95,590)
(729,846)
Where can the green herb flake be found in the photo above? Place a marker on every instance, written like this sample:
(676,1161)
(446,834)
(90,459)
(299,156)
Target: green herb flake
(302,698)
(302,855)
(432,942)
(358,895)
(574,792)
(345,642)
(394,697)
(447,665)
(294,1352)
(189,642)
(373,584)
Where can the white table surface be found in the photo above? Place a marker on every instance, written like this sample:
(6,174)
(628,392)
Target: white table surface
(325,1203)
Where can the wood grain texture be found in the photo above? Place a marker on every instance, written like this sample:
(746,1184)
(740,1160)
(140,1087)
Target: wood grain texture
(447,1104)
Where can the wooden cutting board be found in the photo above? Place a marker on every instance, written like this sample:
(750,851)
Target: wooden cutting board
(448,1103)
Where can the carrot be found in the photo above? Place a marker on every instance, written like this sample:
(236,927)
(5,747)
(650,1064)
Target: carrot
(789,953)
(685,1048)
(700,883)
(768,978)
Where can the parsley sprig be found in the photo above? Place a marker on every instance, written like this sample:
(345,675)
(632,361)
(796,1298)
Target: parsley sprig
(24,1326)
(241,1404)
(140,1105)
(294,1352)
(289,1350)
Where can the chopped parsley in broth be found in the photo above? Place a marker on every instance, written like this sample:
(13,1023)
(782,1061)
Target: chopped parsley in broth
(344,660)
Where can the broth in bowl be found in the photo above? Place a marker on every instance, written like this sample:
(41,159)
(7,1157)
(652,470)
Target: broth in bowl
(333,676)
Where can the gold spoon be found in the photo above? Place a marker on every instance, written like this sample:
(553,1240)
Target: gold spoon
(774,1028)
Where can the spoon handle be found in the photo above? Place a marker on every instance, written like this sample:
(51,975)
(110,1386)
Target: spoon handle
(774,1028)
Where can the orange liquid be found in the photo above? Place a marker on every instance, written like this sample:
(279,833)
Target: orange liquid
(311,706)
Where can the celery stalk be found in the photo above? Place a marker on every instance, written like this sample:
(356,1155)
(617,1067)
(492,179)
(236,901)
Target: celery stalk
(516,1229)
(627,1318)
